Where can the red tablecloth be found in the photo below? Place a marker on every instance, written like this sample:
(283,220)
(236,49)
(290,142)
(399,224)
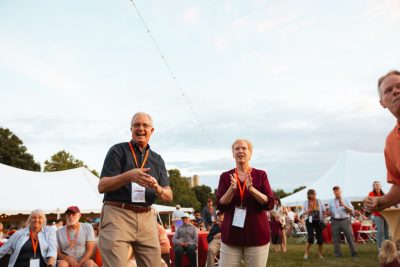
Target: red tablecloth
(327,232)
(202,249)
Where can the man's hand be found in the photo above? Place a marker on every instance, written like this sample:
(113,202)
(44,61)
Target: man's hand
(217,236)
(371,203)
(140,177)
(71,261)
(341,203)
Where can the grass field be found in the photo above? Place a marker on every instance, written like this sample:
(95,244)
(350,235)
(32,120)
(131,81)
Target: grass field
(367,256)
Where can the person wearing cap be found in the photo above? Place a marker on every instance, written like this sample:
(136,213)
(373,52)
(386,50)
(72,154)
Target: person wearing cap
(389,97)
(35,245)
(133,175)
(185,240)
(76,241)
(214,239)
(340,209)
(209,214)
(244,194)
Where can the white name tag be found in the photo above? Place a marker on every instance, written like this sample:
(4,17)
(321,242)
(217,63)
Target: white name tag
(138,193)
(34,263)
(310,219)
(336,215)
(239,217)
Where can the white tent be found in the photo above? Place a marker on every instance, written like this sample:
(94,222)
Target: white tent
(23,191)
(354,172)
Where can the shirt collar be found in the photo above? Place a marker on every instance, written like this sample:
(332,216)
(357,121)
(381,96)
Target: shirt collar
(136,146)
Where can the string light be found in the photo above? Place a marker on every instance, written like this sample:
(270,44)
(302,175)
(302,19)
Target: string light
(181,91)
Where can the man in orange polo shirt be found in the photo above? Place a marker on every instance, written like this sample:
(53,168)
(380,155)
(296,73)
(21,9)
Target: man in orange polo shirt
(389,94)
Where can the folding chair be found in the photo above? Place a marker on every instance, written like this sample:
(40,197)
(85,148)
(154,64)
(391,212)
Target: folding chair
(301,234)
(367,228)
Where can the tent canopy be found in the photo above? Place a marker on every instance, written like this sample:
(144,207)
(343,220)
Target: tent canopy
(53,192)
(354,172)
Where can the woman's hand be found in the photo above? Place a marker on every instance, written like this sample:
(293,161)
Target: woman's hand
(233,181)
(249,181)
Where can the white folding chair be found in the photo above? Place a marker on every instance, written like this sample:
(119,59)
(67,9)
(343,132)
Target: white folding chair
(301,234)
(367,228)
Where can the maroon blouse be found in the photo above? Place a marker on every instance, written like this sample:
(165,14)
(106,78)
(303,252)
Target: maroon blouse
(256,231)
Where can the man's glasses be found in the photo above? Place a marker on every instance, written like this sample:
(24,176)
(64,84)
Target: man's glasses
(137,125)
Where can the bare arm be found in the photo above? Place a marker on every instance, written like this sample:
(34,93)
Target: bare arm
(380,203)
(88,253)
(164,192)
(260,197)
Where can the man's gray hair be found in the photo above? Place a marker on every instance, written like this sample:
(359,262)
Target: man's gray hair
(141,114)
(37,212)
(392,72)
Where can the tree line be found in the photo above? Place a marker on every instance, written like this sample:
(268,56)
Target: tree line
(14,153)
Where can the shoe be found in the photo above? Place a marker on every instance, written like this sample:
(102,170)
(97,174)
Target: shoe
(305,257)
(321,257)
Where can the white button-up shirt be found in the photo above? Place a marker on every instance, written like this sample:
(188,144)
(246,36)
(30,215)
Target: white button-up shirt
(339,212)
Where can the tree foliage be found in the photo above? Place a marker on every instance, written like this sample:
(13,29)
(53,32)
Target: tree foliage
(281,193)
(14,153)
(203,193)
(181,190)
(63,160)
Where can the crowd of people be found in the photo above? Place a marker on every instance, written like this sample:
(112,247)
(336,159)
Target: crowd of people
(250,216)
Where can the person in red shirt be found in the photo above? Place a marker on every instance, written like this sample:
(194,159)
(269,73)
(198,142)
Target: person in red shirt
(389,94)
(244,194)
(382,228)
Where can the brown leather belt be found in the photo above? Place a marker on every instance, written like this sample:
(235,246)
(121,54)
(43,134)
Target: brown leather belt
(132,207)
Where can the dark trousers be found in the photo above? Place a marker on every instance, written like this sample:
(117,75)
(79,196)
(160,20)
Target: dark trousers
(310,232)
(191,253)
(166,258)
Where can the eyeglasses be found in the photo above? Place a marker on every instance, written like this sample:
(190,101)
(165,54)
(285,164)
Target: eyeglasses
(137,125)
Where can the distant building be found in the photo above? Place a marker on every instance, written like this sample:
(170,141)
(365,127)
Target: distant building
(194,181)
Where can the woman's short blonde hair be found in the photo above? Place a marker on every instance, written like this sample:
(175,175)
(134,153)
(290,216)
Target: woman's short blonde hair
(37,212)
(249,144)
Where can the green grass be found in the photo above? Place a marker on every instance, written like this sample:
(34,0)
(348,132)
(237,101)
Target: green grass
(367,256)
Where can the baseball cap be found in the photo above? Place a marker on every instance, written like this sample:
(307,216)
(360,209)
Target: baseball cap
(74,209)
(185,215)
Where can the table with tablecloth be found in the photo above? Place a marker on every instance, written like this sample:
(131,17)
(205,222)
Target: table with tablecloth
(327,232)
(392,217)
(202,249)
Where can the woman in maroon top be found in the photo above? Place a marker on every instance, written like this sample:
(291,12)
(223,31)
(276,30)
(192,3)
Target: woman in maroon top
(244,194)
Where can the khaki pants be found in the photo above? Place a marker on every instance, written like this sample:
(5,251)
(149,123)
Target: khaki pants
(120,229)
(213,249)
(231,256)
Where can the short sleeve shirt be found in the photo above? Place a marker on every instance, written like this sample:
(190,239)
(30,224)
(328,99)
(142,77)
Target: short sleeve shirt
(77,250)
(119,160)
(392,156)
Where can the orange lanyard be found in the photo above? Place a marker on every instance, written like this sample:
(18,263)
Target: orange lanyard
(35,242)
(73,242)
(241,188)
(134,156)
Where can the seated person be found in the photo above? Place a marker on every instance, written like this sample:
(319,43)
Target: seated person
(214,239)
(76,241)
(185,240)
(198,220)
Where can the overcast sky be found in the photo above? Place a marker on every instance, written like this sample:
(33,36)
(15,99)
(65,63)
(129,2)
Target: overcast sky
(297,78)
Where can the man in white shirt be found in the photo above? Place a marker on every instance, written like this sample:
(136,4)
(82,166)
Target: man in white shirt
(340,210)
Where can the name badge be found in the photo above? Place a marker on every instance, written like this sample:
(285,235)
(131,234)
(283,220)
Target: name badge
(212,218)
(336,215)
(34,263)
(239,217)
(310,219)
(138,193)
